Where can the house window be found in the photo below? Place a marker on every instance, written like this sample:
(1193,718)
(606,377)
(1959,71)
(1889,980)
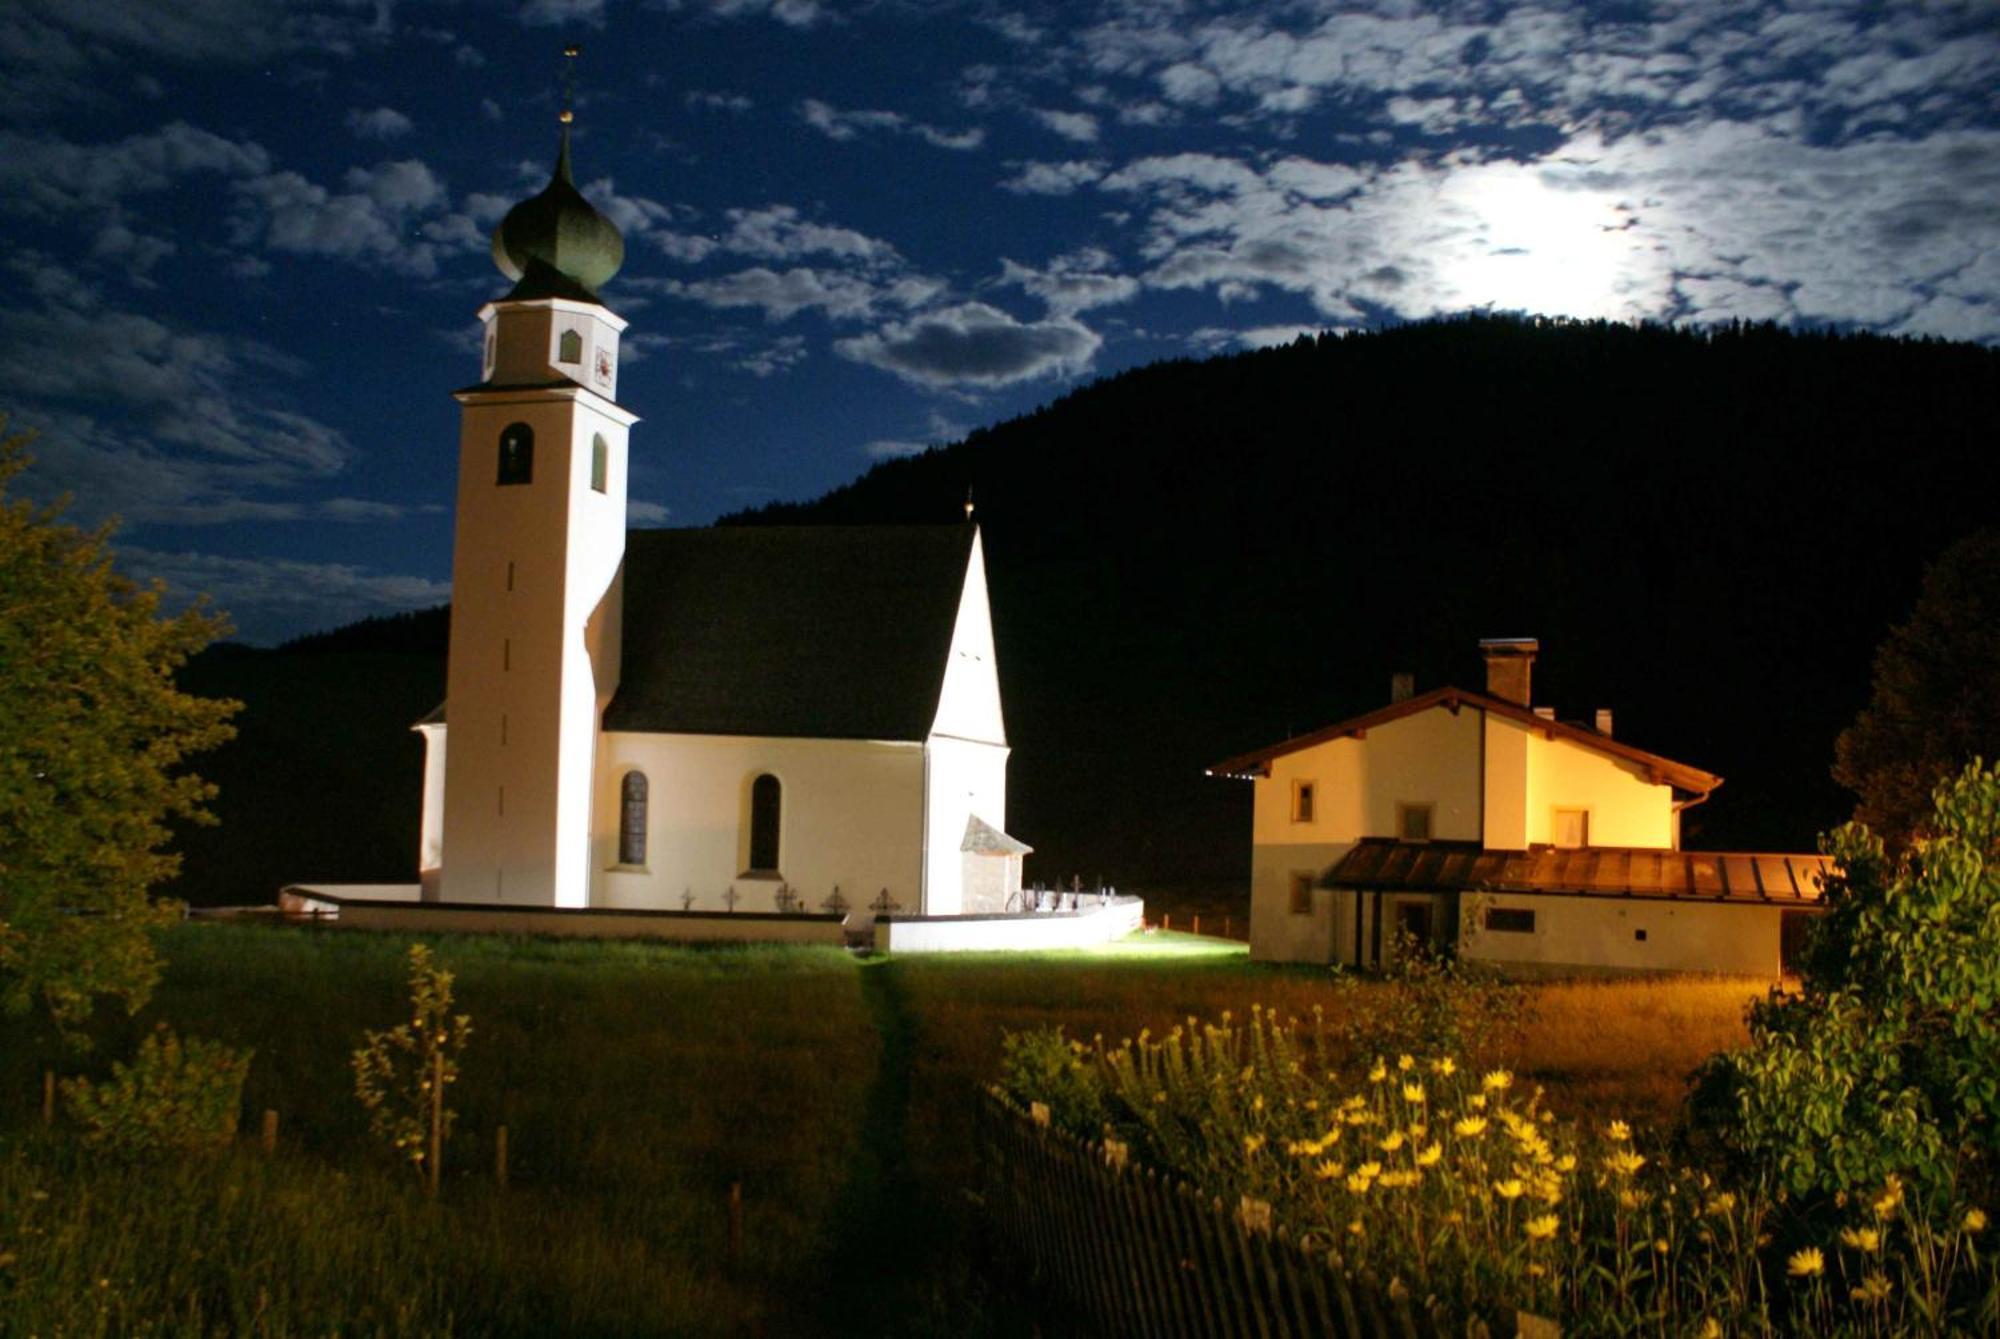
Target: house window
(1570,829)
(1302,802)
(600,461)
(632,819)
(569,349)
(766,805)
(1302,894)
(1413,822)
(1510,920)
(517,454)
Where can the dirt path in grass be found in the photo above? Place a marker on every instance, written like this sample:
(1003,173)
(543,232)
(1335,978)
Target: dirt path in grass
(880,1264)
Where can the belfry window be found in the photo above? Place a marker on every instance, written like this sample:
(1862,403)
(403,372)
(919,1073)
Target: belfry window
(632,819)
(569,348)
(517,454)
(600,461)
(766,805)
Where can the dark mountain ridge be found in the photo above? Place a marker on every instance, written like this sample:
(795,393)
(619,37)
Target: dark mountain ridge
(1709,531)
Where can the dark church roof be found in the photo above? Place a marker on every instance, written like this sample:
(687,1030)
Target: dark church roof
(826,632)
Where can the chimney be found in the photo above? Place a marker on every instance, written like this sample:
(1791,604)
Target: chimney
(1510,661)
(1604,721)
(1402,686)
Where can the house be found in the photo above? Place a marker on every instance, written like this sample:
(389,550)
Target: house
(748,719)
(1478,820)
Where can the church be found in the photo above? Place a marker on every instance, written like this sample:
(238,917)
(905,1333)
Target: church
(738,719)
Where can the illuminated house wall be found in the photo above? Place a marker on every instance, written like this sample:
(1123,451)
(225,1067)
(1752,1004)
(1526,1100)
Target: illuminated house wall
(1457,773)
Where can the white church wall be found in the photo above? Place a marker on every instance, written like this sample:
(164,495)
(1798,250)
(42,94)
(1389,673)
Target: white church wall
(964,778)
(851,815)
(430,833)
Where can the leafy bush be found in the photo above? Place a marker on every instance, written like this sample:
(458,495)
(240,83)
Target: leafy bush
(400,1075)
(1886,1061)
(1429,1001)
(175,1096)
(1051,1066)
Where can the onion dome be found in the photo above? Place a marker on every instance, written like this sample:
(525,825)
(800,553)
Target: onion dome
(556,237)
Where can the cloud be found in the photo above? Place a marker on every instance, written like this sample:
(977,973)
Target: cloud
(152,420)
(1073,283)
(646,513)
(850,125)
(890,449)
(973,344)
(370,221)
(269,599)
(717,102)
(1052,178)
(791,13)
(364,511)
(1079,126)
(781,295)
(778,232)
(562,13)
(380,123)
(47,175)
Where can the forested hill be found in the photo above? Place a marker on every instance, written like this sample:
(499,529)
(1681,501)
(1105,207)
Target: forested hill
(1709,532)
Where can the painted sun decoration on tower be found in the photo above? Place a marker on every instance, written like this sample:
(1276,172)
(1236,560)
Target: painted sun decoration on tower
(753,719)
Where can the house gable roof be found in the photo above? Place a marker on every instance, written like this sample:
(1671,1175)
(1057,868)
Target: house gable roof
(1662,770)
(827,632)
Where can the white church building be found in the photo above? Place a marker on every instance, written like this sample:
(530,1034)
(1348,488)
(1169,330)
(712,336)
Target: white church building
(731,720)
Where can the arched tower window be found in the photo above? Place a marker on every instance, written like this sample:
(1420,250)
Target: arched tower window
(517,454)
(766,803)
(632,819)
(600,461)
(569,349)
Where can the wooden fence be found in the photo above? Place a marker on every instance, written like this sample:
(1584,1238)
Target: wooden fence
(1128,1251)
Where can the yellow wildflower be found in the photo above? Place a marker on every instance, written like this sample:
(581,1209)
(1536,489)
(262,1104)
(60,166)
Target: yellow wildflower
(1378,1072)
(1510,1189)
(1413,1093)
(1540,1228)
(1470,1128)
(1711,1328)
(1406,1063)
(1722,1204)
(1447,1066)
(1865,1240)
(1806,1264)
(1358,1184)
(1624,1162)
(1117,1153)
(1874,1288)
(1251,1143)
(1038,1112)
(1328,1169)
(1429,1157)
(1619,1132)
(1891,1198)
(1257,1102)
(1477,1101)
(1391,1141)
(1371,1170)
(1566,1163)
(1974,1221)
(1497,1081)
(1354,1226)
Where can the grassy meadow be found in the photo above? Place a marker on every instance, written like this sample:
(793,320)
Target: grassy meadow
(638,1082)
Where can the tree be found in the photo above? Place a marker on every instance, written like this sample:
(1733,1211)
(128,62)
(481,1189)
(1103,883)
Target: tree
(93,737)
(1935,703)
(1887,1059)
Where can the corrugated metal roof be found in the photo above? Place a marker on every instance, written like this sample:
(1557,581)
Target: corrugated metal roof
(1594,871)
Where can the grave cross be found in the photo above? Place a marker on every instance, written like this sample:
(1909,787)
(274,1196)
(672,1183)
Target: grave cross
(836,904)
(730,897)
(787,900)
(885,903)
(687,899)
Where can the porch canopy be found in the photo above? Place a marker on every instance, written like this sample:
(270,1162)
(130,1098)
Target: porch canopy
(1378,864)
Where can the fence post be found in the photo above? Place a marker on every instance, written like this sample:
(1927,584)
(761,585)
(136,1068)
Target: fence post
(1197,923)
(735,1221)
(500,1156)
(270,1130)
(48,1097)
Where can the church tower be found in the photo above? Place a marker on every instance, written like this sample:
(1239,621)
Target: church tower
(536,559)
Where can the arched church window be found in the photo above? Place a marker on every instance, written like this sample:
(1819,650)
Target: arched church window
(600,461)
(517,454)
(569,349)
(632,819)
(766,802)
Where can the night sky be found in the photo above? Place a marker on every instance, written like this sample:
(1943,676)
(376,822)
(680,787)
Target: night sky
(244,240)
